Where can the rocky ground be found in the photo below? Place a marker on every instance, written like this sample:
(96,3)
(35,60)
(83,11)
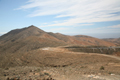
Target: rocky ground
(50,73)
(77,66)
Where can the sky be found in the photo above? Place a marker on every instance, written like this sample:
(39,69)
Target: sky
(97,18)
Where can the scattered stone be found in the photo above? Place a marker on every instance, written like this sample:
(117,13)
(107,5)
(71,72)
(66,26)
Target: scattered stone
(112,74)
(5,74)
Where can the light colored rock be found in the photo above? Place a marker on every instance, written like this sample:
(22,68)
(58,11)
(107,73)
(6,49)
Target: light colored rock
(112,74)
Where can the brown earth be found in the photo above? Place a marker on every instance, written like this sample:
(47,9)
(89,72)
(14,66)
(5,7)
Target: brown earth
(60,64)
(33,53)
(113,40)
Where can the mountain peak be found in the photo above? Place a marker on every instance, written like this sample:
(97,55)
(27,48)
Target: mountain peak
(32,26)
(34,29)
(23,33)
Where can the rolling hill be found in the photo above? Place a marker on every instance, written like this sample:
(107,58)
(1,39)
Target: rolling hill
(113,40)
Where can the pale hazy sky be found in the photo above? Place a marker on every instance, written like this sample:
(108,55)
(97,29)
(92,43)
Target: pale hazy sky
(72,17)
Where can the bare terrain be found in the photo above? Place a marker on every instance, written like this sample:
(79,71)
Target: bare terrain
(33,54)
(113,40)
(64,65)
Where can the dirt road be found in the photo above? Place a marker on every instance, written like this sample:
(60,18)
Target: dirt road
(59,49)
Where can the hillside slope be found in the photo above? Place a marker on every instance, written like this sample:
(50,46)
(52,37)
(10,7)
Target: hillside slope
(26,39)
(31,38)
(113,40)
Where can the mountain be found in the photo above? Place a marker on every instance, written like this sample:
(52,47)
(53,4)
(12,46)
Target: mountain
(31,38)
(113,40)
(26,39)
(21,47)
(22,33)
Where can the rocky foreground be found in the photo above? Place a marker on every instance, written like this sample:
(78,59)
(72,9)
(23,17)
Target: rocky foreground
(50,73)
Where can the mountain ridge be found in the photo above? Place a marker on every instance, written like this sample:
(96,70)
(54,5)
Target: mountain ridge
(34,31)
(31,38)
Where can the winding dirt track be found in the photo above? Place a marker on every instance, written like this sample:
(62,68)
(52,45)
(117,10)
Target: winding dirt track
(58,49)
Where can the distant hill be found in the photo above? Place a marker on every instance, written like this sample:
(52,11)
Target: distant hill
(113,40)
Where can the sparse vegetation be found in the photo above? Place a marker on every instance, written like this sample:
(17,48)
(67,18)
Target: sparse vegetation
(102,68)
(109,73)
(46,74)
(7,68)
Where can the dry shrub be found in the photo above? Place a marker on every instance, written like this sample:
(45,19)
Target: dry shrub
(117,53)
